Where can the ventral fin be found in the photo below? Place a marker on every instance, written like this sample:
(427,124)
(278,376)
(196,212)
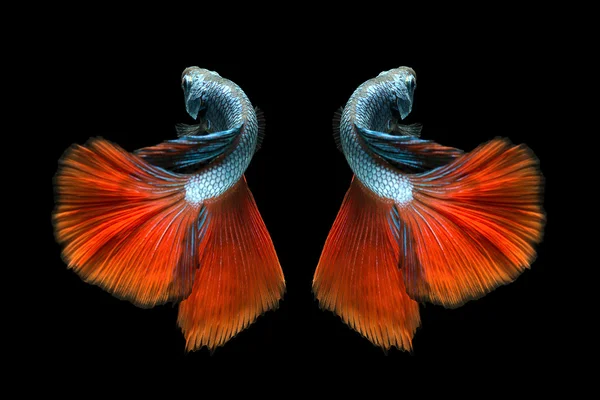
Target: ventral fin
(201,128)
(398,128)
(188,151)
(407,152)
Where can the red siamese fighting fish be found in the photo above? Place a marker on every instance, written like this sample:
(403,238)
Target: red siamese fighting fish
(176,222)
(421,222)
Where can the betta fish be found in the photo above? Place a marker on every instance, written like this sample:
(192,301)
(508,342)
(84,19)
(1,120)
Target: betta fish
(176,222)
(421,222)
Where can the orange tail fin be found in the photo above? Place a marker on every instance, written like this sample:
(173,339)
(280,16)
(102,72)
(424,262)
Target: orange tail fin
(239,276)
(358,276)
(472,224)
(125,225)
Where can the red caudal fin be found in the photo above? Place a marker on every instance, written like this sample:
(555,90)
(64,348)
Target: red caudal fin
(471,225)
(358,276)
(239,276)
(125,224)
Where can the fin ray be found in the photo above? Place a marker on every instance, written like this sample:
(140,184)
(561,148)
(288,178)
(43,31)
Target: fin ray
(262,124)
(358,276)
(125,225)
(239,277)
(335,124)
(189,151)
(407,152)
(472,224)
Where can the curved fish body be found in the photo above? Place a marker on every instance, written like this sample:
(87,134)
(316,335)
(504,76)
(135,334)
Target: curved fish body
(422,222)
(226,135)
(227,109)
(176,222)
(370,107)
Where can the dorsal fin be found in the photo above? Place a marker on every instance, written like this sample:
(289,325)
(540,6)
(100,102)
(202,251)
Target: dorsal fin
(335,124)
(260,118)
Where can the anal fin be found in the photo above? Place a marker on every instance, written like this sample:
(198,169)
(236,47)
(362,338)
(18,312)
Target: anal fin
(358,276)
(239,277)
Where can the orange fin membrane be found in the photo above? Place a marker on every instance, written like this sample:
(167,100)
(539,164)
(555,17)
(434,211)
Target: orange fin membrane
(125,224)
(472,224)
(239,276)
(358,276)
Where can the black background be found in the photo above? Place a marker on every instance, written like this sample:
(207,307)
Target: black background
(471,87)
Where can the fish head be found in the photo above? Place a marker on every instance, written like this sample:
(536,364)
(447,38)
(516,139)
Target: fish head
(403,81)
(194,81)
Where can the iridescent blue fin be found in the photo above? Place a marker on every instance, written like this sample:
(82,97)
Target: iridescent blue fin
(191,150)
(408,152)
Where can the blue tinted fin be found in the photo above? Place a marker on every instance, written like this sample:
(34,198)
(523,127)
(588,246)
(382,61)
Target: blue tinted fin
(408,152)
(189,150)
